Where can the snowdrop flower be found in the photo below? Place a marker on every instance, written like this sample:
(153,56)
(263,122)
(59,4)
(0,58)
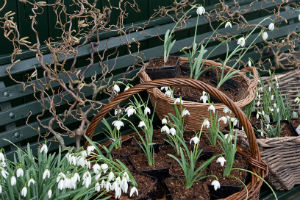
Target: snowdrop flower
(124,185)
(130,111)
(227,110)
(90,149)
(44,149)
(178,100)
(46,174)
(173,131)
(118,192)
(111,176)
(185,112)
(61,185)
(116,88)
(271,26)
(60,177)
(297,100)
(195,139)
(295,115)
(265,36)
(87,179)
(216,184)
(118,124)
(206,123)
(257,104)
(241,41)
(224,119)
(76,177)
(132,191)
(49,193)
(221,160)
(24,191)
(13,180)
(164,88)
(97,187)
(118,111)
(168,93)
(4,173)
(147,111)
(104,167)
(200,10)
(20,172)
(204,97)
(228,137)
(164,121)
(2,158)
(0,189)
(212,108)
(249,63)
(31,181)
(272,97)
(235,121)
(228,24)
(107,186)
(165,129)
(142,124)
(126,88)
(96,168)
(299,17)
(126,176)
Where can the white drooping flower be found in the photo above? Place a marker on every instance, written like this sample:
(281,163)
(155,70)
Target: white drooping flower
(206,123)
(264,36)
(44,149)
(20,172)
(132,191)
(249,63)
(185,112)
(221,160)
(96,168)
(212,108)
(4,173)
(228,24)
(116,88)
(130,111)
(104,167)
(60,176)
(111,176)
(204,97)
(147,111)
(168,93)
(195,140)
(2,158)
(216,184)
(224,119)
(228,137)
(241,41)
(297,100)
(24,191)
(164,88)
(90,149)
(13,180)
(46,174)
(86,179)
(165,129)
(97,187)
(172,131)
(295,115)
(299,17)
(0,189)
(126,88)
(271,26)
(76,177)
(200,10)
(227,110)
(31,181)
(164,121)
(142,124)
(49,193)
(118,192)
(118,124)
(178,100)
(235,121)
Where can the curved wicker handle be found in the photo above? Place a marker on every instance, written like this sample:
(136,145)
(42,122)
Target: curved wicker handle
(254,82)
(178,82)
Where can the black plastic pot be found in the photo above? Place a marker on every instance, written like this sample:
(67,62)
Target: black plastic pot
(158,70)
(224,191)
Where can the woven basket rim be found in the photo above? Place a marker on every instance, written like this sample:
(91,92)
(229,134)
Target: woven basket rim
(241,103)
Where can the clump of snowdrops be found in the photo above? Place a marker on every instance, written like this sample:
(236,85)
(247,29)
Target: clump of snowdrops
(58,176)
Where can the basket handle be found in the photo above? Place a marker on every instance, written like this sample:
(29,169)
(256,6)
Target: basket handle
(254,82)
(255,153)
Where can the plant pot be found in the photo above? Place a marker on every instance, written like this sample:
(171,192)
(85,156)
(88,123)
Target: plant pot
(177,191)
(224,191)
(157,69)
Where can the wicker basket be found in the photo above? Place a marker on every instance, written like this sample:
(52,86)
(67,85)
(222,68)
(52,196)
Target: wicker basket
(282,155)
(289,84)
(253,155)
(198,111)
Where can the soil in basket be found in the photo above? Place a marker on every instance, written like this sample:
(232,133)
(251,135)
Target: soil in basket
(233,88)
(177,190)
(286,130)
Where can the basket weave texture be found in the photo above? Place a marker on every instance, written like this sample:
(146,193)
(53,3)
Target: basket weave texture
(289,85)
(198,111)
(282,155)
(253,155)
